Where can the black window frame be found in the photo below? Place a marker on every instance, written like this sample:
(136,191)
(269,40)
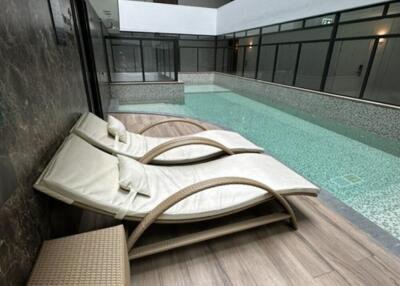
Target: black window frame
(332,40)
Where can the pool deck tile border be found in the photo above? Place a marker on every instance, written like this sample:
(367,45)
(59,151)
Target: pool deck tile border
(378,234)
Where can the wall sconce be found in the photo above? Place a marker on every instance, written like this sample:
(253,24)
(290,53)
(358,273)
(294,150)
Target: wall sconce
(382,32)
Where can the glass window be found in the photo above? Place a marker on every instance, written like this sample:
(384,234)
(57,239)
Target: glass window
(168,35)
(150,60)
(188,59)
(286,62)
(250,62)
(383,82)
(394,8)
(249,41)
(266,65)
(109,55)
(161,61)
(270,29)
(188,37)
(221,37)
(311,65)
(223,43)
(127,58)
(123,58)
(127,61)
(206,38)
(320,33)
(320,21)
(292,25)
(119,42)
(169,60)
(202,43)
(253,32)
(158,58)
(170,47)
(371,28)
(165,60)
(206,59)
(240,34)
(170,56)
(229,36)
(220,60)
(239,61)
(362,13)
(347,68)
(142,35)
(228,60)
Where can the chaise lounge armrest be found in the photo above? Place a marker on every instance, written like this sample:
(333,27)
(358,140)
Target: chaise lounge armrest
(179,142)
(188,121)
(152,216)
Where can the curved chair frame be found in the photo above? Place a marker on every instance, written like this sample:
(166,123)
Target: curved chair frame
(152,216)
(179,142)
(182,120)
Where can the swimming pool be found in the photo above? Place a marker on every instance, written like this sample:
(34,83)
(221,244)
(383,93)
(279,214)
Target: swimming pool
(365,178)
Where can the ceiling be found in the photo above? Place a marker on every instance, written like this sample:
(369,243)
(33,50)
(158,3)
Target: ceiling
(107,10)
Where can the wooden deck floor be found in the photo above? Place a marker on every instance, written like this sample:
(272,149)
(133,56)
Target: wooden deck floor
(325,250)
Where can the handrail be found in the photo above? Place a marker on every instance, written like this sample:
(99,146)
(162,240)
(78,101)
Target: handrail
(198,187)
(182,120)
(179,142)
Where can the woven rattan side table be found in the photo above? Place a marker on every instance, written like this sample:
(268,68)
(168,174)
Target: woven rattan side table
(93,258)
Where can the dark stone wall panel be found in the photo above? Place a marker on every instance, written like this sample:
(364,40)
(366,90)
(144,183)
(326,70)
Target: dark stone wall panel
(41,95)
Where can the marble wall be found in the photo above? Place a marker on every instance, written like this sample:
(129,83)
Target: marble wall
(41,95)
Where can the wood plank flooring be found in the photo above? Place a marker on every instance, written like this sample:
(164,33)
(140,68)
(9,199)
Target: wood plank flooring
(325,250)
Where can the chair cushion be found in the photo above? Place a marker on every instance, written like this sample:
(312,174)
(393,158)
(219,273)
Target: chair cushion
(86,175)
(132,179)
(117,128)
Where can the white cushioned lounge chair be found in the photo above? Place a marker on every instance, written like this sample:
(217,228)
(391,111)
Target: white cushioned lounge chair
(82,175)
(173,150)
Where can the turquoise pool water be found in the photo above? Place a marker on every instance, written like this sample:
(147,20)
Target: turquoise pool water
(365,178)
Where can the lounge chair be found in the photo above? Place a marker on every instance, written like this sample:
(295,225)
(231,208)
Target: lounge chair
(82,175)
(174,150)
